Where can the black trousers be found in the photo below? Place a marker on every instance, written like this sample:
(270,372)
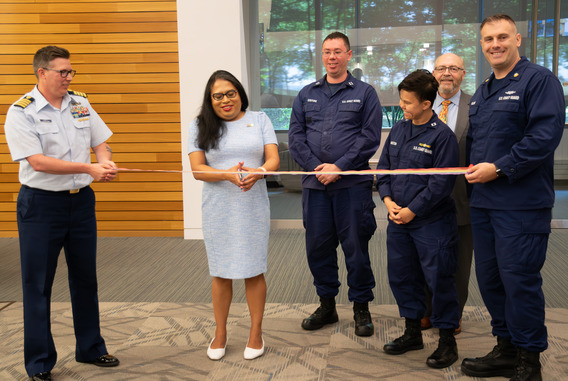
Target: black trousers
(48,222)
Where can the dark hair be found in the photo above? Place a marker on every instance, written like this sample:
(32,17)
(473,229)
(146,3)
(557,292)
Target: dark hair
(495,18)
(210,128)
(422,83)
(45,55)
(336,35)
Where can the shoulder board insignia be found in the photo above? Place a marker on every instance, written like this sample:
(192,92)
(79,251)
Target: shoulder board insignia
(73,92)
(24,102)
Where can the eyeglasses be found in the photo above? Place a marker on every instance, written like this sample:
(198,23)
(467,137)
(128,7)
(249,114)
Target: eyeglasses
(452,69)
(230,94)
(63,73)
(337,53)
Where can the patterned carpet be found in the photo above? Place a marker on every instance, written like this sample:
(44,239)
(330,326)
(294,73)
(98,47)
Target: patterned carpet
(167,341)
(157,318)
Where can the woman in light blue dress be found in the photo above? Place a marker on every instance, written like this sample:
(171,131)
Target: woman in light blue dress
(236,212)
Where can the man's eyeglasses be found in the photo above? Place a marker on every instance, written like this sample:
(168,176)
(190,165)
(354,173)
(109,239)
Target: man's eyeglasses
(219,96)
(452,69)
(63,73)
(337,53)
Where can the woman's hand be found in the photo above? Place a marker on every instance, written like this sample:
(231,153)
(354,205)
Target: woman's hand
(404,216)
(397,214)
(235,178)
(392,208)
(249,180)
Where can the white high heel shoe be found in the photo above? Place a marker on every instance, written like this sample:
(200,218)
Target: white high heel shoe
(218,353)
(251,353)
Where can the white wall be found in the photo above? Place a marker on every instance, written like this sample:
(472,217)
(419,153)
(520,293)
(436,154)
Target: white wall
(211,37)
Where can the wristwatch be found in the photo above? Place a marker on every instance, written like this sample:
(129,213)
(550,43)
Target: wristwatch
(499,172)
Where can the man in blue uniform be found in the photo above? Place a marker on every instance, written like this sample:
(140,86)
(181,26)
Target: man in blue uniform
(516,121)
(51,131)
(336,126)
(422,229)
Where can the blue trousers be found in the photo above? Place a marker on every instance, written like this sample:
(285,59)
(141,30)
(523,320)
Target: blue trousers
(510,250)
(48,222)
(340,216)
(425,255)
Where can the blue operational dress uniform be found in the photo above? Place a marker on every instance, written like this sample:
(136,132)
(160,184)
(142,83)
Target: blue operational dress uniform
(516,123)
(55,212)
(343,128)
(422,251)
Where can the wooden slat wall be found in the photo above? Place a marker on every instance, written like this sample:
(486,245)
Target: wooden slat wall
(126,56)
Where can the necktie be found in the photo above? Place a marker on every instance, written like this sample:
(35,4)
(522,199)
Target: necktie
(444,113)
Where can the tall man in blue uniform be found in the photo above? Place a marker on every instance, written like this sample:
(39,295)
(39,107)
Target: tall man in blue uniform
(336,126)
(422,229)
(452,106)
(516,121)
(51,131)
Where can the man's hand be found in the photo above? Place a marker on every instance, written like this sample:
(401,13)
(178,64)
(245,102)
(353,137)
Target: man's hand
(103,172)
(481,173)
(327,179)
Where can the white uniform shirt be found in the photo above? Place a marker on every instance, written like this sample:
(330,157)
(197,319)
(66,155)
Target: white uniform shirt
(452,108)
(67,134)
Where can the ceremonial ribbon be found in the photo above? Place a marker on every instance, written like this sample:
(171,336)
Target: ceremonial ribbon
(409,171)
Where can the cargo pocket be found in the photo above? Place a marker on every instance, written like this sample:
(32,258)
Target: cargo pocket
(448,256)
(367,221)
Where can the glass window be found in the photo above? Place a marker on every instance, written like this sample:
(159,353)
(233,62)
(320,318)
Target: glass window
(389,39)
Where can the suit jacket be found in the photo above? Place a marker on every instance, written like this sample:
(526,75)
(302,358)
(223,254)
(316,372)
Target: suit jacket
(459,192)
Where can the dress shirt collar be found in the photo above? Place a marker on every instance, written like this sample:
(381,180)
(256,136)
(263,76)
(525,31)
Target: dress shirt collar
(41,102)
(455,99)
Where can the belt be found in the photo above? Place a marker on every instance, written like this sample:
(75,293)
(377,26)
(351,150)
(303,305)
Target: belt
(70,191)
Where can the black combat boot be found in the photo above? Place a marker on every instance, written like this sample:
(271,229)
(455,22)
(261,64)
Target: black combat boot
(363,323)
(325,314)
(410,341)
(447,352)
(500,361)
(528,366)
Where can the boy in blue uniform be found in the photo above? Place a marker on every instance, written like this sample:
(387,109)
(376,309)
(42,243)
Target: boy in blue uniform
(422,230)
(516,122)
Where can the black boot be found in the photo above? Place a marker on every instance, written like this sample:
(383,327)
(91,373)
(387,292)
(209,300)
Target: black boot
(410,341)
(447,352)
(528,366)
(500,361)
(363,322)
(325,314)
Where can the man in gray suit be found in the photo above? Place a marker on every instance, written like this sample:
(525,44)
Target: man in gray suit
(452,107)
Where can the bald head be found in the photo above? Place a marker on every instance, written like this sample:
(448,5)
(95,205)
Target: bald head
(449,72)
(449,57)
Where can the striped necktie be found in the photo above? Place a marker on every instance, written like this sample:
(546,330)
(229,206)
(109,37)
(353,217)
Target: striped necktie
(444,112)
